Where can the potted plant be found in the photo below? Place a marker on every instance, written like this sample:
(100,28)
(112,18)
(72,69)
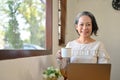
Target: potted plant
(51,73)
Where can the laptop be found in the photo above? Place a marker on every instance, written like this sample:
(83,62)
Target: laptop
(82,71)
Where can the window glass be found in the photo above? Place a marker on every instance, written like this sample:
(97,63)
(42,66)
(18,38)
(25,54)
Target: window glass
(22,24)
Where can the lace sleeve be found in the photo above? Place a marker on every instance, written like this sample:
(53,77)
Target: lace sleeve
(103,56)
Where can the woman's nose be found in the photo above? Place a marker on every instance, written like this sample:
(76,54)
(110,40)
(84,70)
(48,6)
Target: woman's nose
(84,27)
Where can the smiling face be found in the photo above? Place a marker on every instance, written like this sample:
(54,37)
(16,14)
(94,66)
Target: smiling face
(84,26)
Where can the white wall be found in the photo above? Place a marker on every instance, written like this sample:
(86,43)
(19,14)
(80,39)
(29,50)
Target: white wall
(108,21)
(24,68)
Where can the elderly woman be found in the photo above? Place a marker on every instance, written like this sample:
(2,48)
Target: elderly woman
(85,49)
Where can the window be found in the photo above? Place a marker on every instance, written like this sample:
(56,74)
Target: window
(10,54)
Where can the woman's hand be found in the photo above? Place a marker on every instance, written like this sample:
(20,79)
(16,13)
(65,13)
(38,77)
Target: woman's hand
(58,55)
(60,62)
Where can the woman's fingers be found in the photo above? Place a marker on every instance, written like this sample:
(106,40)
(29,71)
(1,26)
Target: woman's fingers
(58,54)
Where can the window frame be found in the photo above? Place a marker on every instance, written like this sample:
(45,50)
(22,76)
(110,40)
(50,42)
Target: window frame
(13,54)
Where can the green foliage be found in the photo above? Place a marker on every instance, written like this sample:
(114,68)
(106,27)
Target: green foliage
(34,17)
(13,34)
(51,72)
(33,14)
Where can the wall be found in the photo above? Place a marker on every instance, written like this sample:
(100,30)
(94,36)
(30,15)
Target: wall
(24,68)
(108,21)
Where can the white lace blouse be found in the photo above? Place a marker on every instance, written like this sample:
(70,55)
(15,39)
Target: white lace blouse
(94,52)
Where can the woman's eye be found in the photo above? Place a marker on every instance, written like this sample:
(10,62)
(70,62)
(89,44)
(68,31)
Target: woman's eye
(88,25)
(81,24)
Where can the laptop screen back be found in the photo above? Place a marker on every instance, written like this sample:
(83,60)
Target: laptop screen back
(78,71)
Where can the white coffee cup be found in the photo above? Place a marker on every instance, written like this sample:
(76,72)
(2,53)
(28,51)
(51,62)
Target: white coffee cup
(66,52)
